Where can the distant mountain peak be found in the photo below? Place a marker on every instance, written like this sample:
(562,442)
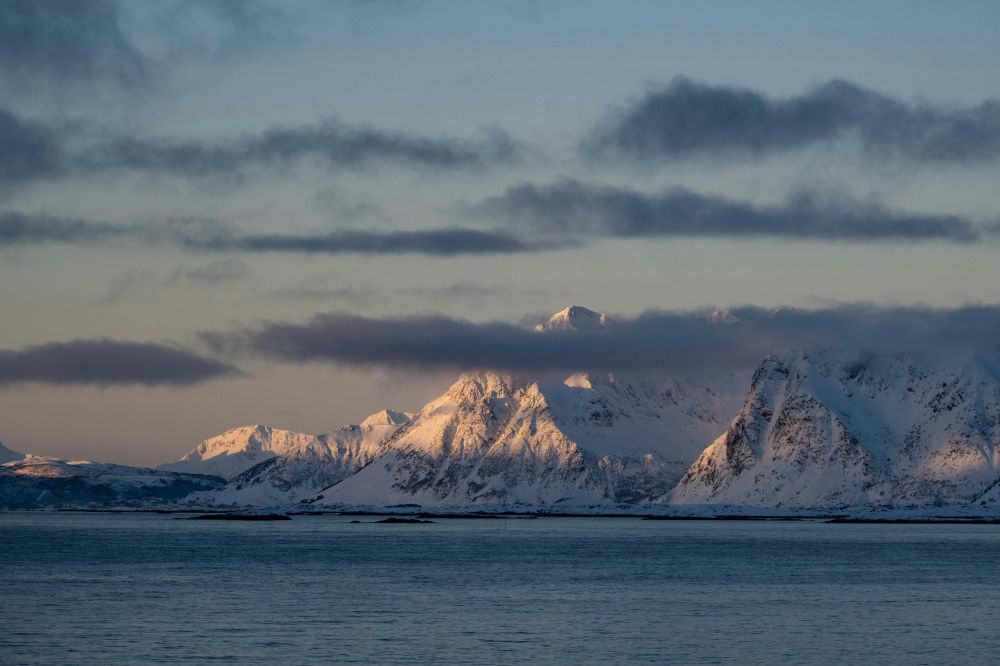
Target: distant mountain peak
(386,417)
(236,450)
(576,318)
(7,455)
(721,316)
(472,386)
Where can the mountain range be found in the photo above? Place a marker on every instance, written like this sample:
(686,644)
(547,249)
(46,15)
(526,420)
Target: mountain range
(37,482)
(812,429)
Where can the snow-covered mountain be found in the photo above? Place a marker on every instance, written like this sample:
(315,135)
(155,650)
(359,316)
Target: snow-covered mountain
(575,318)
(817,429)
(34,482)
(826,429)
(6,455)
(237,450)
(495,439)
(589,439)
(306,468)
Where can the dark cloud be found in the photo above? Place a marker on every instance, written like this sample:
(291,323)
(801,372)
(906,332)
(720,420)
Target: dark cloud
(28,151)
(537,218)
(441,242)
(687,119)
(665,340)
(32,151)
(17,230)
(574,209)
(108,362)
(67,40)
(438,341)
(331,144)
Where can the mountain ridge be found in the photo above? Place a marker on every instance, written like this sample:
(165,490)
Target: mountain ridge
(814,429)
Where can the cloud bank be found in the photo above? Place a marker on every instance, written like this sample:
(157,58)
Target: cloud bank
(105,362)
(530,218)
(688,119)
(681,341)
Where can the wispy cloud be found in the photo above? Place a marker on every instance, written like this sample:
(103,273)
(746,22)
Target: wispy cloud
(211,273)
(469,293)
(18,230)
(144,282)
(687,119)
(107,362)
(128,283)
(331,144)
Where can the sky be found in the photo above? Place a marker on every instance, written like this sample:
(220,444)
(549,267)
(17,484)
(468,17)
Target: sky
(217,213)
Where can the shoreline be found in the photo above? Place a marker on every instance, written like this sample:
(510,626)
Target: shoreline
(825,518)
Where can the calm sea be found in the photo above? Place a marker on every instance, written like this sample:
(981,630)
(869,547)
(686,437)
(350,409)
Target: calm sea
(133,589)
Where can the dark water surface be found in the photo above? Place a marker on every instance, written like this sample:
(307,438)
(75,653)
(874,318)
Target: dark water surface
(132,589)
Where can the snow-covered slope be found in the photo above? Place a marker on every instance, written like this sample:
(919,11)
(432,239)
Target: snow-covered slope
(6,455)
(307,468)
(990,497)
(237,450)
(575,318)
(826,429)
(495,439)
(37,482)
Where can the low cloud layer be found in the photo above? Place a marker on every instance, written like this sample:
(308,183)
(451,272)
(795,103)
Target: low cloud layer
(688,119)
(570,208)
(682,341)
(107,362)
